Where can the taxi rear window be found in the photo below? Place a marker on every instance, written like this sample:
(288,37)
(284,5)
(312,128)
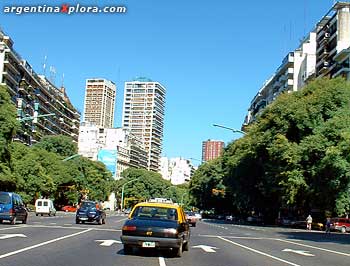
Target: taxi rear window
(146,212)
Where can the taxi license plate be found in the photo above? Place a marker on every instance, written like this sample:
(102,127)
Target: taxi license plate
(148,244)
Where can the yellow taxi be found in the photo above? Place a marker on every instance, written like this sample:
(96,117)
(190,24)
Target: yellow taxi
(157,224)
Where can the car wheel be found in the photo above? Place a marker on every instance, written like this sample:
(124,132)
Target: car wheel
(178,251)
(0,221)
(13,221)
(343,230)
(36,214)
(194,224)
(185,246)
(42,214)
(127,249)
(25,220)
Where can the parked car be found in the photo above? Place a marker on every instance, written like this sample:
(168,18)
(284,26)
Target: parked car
(158,226)
(198,216)
(69,208)
(302,224)
(340,224)
(12,208)
(191,218)
(44,206)
(90,211)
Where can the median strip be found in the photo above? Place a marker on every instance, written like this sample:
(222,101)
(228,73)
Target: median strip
(42,244)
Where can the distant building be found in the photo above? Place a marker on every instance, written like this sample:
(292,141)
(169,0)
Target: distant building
(94,140)
(143,114)
(212,149)
(99,102)
(35,95)
(176,170)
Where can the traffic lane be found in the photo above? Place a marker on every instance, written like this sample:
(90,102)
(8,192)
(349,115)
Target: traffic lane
(212,251)
(96,247)
(297,252)
(69,219)
(19,237)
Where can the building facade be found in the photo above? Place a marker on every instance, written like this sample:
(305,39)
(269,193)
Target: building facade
(176,170)
(42,108)
(296,68)
(95,140)
(324,53)
(212,149)
(143,114)
(99,102)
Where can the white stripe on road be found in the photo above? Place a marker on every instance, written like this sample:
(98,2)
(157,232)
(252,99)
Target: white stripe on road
(12,227)
(323,249)
(259,252)
(76,227)
(42,244)
(162,261)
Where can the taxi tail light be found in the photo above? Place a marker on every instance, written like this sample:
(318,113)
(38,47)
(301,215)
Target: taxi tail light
(129,228)
(12,211)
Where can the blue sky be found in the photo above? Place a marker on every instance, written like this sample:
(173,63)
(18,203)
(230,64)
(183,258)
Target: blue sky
(212,56)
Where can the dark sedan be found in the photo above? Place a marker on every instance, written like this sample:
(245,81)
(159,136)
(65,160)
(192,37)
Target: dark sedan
(90,211)
(156,225)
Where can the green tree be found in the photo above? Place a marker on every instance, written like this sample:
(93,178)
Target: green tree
(8,127)
(61,145)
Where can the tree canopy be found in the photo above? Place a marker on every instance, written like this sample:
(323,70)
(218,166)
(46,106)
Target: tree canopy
(295,155)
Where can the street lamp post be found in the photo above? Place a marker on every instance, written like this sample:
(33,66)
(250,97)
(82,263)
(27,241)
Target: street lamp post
(229,128)
(122,203)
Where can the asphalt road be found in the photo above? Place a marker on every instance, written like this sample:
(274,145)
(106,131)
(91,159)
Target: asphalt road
(58,241)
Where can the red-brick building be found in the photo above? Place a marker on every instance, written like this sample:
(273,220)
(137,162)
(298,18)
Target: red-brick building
(212,149)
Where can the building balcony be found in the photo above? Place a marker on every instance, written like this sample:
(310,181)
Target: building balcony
(11,66)
(11,78)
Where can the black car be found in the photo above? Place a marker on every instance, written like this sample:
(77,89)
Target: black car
(90,211)
(157,226)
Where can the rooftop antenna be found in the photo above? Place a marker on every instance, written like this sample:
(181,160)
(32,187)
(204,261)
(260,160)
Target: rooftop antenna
(44,65)
(62,81)
(52,74)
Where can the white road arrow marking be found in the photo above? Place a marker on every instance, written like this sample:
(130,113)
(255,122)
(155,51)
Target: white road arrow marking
(108,242)
(208,249)
(300,252)
(11,236)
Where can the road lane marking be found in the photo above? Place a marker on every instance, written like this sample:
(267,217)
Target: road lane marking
(75,227)
(323,249)
(300,252)
(162,261)
(208,249)
(42,244)
(235,237)
(108,242)
(6,236)
(12,227)
(259,252)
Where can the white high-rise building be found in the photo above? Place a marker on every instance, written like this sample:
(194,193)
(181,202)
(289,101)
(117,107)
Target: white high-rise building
(99,102)
(143,114)
(177,170)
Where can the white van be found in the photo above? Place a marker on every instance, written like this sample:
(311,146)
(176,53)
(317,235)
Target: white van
(44,206)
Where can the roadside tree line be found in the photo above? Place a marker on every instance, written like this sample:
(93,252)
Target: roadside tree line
(295,157)
(41,171)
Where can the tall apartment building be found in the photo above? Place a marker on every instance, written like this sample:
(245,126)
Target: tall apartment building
(99,102)
(143,114)
(296,68)
(33,95)
(324,53)
(212,149)
(333,42)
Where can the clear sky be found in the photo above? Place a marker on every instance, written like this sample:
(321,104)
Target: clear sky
(212,56)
